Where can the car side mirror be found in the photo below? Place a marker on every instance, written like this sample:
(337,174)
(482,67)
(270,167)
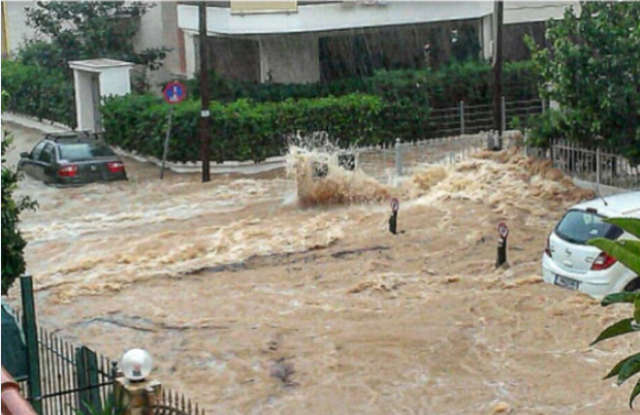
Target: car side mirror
(24,155)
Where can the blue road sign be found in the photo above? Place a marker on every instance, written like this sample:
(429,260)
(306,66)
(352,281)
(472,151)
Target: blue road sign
(174,92)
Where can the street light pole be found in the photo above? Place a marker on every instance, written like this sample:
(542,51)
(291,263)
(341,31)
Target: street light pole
(497,69)
(205,129)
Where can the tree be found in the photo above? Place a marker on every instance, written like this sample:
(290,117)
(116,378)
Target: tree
(87,30)
(628,253)
(591,69)
(13,243)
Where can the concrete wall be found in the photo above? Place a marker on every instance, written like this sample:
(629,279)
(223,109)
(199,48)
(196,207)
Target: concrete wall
(159,28)
(17,28)
(84,99)
(115,81)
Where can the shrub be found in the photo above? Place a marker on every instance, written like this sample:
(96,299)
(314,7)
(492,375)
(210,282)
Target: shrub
(13,244)
(446,87)
(542,128)
(591,69)
(38,92)
(242,130)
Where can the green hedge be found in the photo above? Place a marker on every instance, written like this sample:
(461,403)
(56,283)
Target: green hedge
(446,87)
(242,130)
(38,92)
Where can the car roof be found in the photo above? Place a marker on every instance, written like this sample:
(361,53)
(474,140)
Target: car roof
(622,204)
(72,136)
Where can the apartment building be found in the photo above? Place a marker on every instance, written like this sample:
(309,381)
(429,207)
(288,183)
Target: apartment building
(309,41)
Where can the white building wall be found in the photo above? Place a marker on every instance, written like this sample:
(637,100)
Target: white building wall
(159,28)
(330,17)
(190,55)
(115,81)
(17,24)
(536,11)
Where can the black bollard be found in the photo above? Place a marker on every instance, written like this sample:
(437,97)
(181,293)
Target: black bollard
(503,233)
(393,223)
(393,219)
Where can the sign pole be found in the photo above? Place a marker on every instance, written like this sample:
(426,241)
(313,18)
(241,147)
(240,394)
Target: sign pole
(173,93)
(166,143)
(503,233)
(205,130)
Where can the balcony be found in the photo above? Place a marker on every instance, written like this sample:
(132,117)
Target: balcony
(224,20)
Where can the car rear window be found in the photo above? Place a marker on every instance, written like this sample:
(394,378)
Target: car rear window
(84,151)
(579,226)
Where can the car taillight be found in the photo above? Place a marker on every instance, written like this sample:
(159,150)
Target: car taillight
(547,249)
(115,167)
(602,262)
(68,171)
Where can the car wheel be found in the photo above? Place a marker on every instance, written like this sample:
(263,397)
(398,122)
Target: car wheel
(633,286)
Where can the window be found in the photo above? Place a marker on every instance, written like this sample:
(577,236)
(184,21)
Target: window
(84,151)
(579,226)
(35,153)
(48,155)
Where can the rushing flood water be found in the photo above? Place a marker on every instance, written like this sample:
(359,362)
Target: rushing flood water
(279,294)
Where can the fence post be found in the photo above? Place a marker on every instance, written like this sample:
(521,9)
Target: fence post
(461,117)
(87,378)
(30,328)
(598,166)
(398,158)
(503,109)
(544,105)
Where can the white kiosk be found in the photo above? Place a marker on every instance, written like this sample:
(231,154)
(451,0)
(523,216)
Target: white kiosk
(96,79)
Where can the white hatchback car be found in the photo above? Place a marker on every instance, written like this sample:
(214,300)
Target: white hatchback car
(570,263)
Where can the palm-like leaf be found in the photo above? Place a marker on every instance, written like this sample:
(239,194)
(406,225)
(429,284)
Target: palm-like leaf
(628,253)
(617,329)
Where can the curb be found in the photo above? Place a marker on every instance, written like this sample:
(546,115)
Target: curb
(227,167)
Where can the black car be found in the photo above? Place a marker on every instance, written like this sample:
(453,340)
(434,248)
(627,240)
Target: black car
(72,158)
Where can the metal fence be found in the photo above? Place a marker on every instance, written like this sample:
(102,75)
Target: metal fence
(472,119)
(387,162)
(172,403)
(592,165)
(76,379)
(65,379)
(455,134)
(72,378)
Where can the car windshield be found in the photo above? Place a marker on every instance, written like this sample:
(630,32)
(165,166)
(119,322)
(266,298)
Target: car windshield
(579,226)
(84,151)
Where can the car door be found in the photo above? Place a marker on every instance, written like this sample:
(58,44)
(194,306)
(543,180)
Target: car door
(43,166)
(27,165)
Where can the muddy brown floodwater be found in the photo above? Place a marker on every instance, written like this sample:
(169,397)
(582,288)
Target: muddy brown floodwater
(252,304)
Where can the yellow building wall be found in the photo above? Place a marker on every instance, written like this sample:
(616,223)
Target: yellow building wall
(239,6)
(5,31)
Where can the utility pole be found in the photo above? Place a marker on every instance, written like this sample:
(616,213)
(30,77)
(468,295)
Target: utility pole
(497,69)
(205,129)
